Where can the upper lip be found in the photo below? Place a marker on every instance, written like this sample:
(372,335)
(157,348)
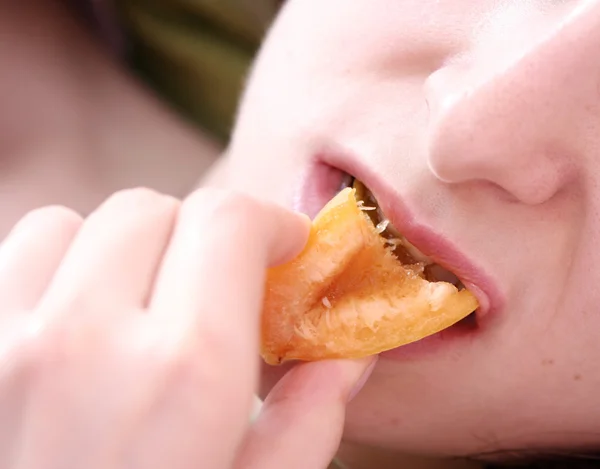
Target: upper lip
(437,247)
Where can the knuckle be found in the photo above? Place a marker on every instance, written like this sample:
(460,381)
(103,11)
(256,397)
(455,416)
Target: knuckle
(141,199)
(220,341)
(53,215)
(47,346)
(24,348)
(226,351)
(200,364)
(57,346)
(224,209)
(182,366)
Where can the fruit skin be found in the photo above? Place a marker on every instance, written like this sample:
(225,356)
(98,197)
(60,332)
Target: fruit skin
(347,296)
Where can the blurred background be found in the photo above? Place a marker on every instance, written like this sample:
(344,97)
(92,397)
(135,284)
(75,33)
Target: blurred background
(102,95)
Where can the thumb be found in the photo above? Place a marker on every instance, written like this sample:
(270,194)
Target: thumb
(302,419)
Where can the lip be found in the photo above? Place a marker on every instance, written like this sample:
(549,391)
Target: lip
(320,183)
(323,180)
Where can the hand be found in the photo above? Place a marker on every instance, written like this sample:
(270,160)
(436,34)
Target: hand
(130,340)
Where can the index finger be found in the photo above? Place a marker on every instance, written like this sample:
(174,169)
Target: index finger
(213,272)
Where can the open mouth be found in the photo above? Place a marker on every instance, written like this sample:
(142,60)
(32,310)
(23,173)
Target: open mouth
(404,250)
(363,285)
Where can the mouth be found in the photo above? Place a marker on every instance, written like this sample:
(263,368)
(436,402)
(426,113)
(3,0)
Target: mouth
(411,242)
(405,251)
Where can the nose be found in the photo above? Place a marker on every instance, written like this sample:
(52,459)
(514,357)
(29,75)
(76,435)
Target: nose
(520,116)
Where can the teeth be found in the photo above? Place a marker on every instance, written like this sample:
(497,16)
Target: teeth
(382,226)
(399,240)
(362,206)
(396,241)
(412,250)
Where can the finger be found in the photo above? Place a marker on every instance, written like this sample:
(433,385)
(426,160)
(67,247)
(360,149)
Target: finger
(302,420)
(208,294)
(214,270)
(32,252)
(114,257)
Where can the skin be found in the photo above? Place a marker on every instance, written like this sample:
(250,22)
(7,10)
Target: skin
(99,333)
(113,358)
(507,172)
(483,117)
(87,129)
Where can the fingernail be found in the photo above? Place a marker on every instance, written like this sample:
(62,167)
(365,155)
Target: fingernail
(363,379)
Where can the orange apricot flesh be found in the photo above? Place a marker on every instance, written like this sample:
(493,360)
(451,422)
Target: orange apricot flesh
(348,296)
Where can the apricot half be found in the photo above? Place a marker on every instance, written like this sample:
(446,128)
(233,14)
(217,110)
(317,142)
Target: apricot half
(348,296)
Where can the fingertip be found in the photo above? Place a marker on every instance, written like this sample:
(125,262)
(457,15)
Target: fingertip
(296,231)
(301,227)
(340,379)
(305,219)
(364,369)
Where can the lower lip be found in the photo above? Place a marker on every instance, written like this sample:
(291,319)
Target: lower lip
(454,335)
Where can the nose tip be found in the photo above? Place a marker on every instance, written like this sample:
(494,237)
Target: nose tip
(492,135)
(522,121)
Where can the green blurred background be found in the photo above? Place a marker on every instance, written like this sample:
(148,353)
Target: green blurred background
(196,53)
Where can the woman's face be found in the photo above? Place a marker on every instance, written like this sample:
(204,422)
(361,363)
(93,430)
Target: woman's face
(478,121)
